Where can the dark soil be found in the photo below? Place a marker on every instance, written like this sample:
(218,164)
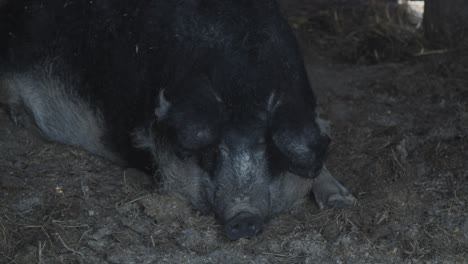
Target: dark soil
(399,143)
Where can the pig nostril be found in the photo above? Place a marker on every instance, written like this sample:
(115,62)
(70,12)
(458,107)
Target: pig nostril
(243,225)
(236,227)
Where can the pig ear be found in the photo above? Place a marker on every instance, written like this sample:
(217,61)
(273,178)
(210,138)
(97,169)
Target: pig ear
(301,141)
(162,107)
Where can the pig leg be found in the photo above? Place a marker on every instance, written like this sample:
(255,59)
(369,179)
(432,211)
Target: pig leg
(14,105)
(329,193)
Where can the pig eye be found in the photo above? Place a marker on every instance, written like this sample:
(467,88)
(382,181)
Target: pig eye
(194,137)
(183,153)
(193,129)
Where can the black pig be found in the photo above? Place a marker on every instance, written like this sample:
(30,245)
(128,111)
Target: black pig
(212,93)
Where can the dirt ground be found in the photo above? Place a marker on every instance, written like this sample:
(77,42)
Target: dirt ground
(399,143)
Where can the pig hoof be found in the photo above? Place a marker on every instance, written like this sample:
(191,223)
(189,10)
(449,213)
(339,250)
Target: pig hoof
(18,115)
(329,193)
(339,201)
(16,118)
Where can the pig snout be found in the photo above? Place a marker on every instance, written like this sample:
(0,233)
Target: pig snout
(243,225)
(246,217)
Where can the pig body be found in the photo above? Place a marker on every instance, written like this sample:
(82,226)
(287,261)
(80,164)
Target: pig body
(211,93)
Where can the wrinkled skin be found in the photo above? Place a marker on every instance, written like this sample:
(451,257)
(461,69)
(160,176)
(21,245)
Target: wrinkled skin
(211,93)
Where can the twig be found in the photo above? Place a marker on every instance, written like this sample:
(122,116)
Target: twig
(67,247)
(132,201)
(152,241)
(84,234)
(431,52)
(279,255)
(40,249)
